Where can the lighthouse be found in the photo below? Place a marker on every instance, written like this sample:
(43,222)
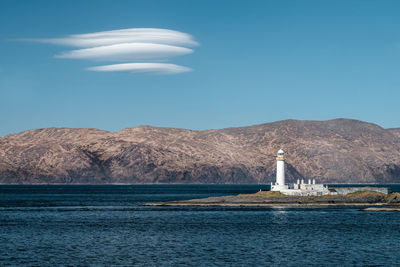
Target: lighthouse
(295,189)
(280,168)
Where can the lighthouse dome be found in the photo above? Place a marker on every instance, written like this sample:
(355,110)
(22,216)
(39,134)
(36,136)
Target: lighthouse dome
(281,152)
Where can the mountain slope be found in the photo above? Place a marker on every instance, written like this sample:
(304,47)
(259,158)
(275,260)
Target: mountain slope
(341,150)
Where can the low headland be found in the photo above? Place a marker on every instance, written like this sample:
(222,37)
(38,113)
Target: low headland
(378,200)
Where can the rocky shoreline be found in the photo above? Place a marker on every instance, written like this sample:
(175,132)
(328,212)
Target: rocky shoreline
(270,199)
(386,208)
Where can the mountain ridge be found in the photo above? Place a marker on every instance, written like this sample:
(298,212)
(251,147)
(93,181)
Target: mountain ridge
(337,151)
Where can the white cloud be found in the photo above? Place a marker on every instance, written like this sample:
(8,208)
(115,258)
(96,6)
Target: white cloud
(127,51)
(128,45)
(148,68)
(132,35)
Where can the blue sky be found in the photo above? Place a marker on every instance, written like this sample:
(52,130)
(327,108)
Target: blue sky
(255,62)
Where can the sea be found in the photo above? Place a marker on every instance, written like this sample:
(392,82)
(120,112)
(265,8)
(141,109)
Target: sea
(107,225)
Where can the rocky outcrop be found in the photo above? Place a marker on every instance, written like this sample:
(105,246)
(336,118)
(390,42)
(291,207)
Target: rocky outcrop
(335,151)
(276,198)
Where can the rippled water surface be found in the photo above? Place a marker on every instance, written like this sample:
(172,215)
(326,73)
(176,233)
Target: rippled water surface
(106,225)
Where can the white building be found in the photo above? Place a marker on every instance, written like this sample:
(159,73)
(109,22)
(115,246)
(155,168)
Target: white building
(297,189)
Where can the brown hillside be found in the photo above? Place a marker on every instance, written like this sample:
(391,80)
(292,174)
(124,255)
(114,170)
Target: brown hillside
(340,150)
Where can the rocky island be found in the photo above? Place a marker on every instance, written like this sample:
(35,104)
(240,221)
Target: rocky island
(273,198)
(301,194)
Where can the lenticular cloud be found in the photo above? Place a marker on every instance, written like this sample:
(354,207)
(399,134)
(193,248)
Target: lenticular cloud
(133,35)
(126,45)
(127,51)
(153,68)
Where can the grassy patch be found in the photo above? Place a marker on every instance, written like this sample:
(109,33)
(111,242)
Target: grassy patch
(264,194)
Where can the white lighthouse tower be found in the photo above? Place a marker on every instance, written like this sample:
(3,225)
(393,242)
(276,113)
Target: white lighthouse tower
(280,168)
(280,172)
